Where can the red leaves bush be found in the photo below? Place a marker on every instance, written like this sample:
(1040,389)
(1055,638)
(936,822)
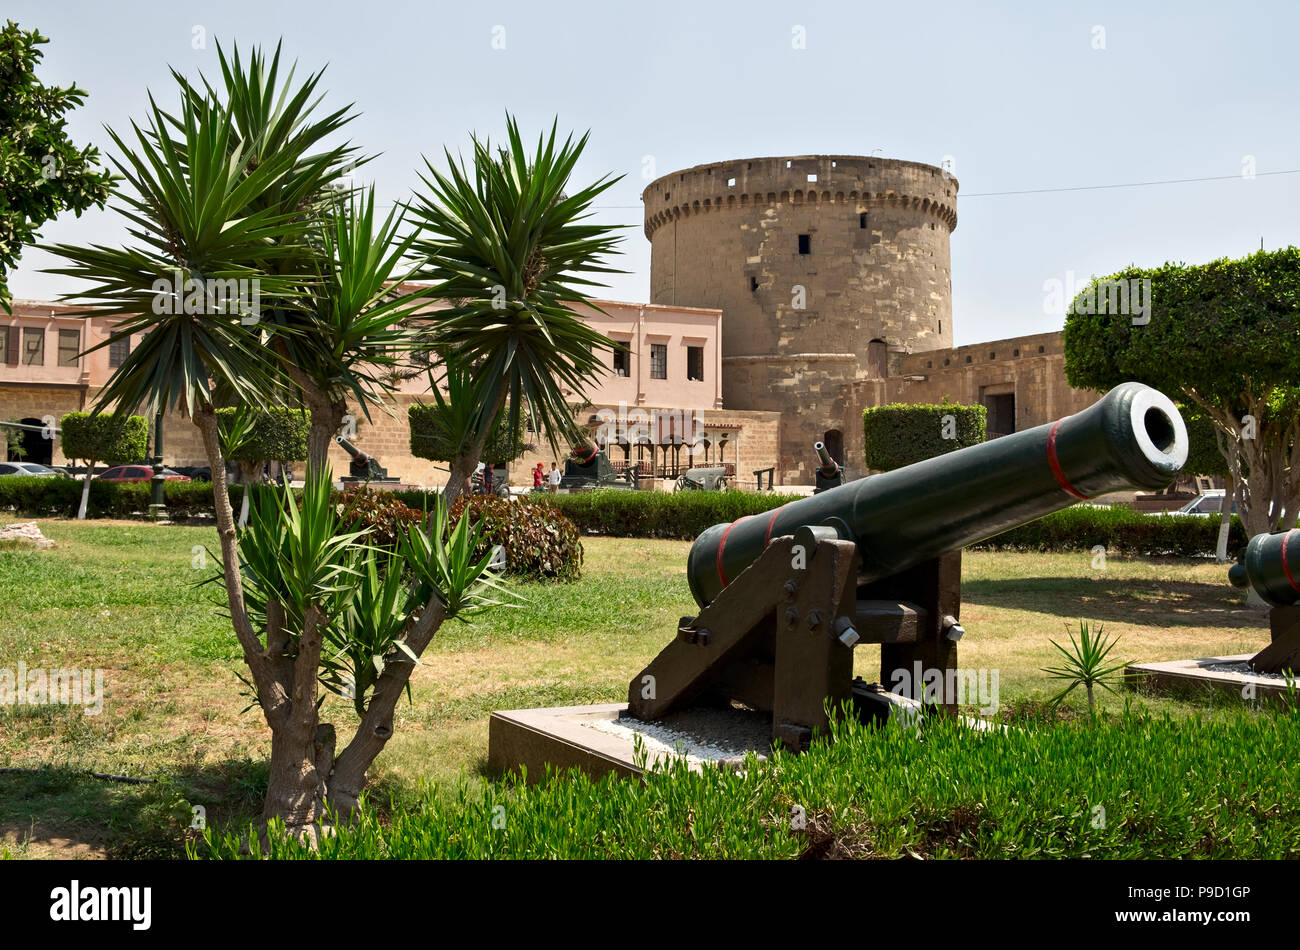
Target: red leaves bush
(540,543)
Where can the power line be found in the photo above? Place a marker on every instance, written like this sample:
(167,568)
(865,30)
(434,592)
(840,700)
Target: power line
(1130,184)
(1045,191)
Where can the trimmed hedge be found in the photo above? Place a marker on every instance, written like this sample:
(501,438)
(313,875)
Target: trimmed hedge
(433,428)
(683,516)
(678,516)
(60,497)
(278,434)
(1119,530)
(900,434)
(99,437)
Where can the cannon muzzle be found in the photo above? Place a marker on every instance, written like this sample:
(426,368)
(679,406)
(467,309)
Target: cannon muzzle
(1133,438)
(1271,565)
(828,463)
(348,447)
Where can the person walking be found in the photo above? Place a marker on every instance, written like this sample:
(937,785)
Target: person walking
(554,479)
(539,475)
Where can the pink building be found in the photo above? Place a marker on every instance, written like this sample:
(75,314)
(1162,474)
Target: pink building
(661,394)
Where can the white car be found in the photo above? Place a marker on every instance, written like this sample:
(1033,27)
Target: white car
(1206,504)
(26,468)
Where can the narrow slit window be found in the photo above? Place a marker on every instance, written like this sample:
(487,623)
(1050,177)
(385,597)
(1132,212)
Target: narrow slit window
(805,244)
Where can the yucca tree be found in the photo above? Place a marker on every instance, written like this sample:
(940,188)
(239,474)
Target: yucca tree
(239,184)
(513,252)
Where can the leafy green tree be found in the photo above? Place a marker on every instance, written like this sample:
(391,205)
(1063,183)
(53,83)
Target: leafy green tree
(252,437)
(1221,336)
(41,171)
(512,252)
(445,429)
(94,438)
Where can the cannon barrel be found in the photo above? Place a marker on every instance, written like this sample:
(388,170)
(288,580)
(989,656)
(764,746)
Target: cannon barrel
(351,449)
(828,463)
(1271,565)
(1132,438)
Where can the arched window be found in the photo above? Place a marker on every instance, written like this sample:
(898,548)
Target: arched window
(37,447)
(834,440)
(877,359)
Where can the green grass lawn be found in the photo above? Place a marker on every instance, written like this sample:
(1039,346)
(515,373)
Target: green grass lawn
(124,597)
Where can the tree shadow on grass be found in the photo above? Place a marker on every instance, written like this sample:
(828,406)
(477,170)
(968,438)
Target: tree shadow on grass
(60,811)
(1145,602)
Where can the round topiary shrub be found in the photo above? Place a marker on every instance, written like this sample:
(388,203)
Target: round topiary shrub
(539,542)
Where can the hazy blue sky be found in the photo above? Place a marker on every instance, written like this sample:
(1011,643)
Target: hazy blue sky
(1017,93)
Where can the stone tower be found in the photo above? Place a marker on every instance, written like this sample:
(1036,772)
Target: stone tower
(823,265)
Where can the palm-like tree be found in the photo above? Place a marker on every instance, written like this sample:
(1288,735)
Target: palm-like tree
(513,253)
(238,184)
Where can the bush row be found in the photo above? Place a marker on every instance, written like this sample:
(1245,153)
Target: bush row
(679,516)
(683,516)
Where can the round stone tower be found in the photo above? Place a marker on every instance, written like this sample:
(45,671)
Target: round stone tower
(822,266)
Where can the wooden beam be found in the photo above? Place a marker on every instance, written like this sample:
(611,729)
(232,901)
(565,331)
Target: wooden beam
(734,624)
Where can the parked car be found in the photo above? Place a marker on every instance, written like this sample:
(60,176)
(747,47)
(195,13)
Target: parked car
(138,473)
(27,468)
(1202,506)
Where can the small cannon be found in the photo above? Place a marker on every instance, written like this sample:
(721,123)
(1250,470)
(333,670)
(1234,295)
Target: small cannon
(786,594)
(1271,566)
(362,467)
(830,474)
(713,478)
(587,467)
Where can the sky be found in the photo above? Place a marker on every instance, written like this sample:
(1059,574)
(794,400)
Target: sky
(1017,97)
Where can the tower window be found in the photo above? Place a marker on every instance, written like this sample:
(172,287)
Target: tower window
(805,244)
(753,284)
(862,220)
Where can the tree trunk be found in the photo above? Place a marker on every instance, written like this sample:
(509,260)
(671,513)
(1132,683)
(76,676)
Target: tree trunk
(376,727)
(1225,520)
(463,467)
(247,473)
(85,491)
(286,686)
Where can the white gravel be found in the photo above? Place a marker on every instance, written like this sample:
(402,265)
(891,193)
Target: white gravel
(1242,667)
(701,735)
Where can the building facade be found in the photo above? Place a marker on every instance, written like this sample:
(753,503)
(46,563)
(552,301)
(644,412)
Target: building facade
(786,295)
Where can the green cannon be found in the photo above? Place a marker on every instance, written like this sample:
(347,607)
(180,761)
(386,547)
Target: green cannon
(1270,566)
(786,595)
(1133,438)
(830,474)
(362,467)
